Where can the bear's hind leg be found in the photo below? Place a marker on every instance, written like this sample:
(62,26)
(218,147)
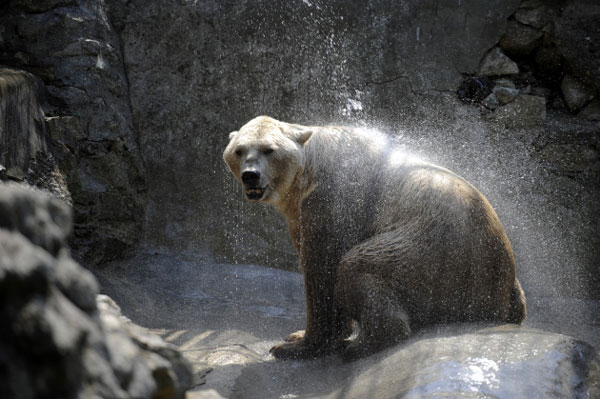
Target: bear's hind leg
(382,320)
(518,305)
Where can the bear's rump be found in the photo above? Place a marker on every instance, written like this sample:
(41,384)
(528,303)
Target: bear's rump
(438,275)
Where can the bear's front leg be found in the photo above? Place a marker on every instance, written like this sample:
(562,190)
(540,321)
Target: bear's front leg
(327,325)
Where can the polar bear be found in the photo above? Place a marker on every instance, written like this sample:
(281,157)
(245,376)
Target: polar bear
(384,239)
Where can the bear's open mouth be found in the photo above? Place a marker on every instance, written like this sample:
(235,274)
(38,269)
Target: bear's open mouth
(255,193)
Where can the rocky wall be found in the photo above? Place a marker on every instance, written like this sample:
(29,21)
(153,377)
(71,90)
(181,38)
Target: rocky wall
(85,129)
(58,339)
(198,70)
(142,96)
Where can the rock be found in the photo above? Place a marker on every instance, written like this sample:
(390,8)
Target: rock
(502,362)
(170,371)
(45,221)
(503,82)
(523,111)
(591,112)
(519,39)
(59,339)
(575,93)
(74,47)
(505,94)
(496,63)
(536,17)
(577,40)
(569,159)
(491,102)
(505,364)
(25,152)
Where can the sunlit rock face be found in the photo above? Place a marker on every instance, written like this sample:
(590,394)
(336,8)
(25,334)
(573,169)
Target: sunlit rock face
(467,362)
(56,340)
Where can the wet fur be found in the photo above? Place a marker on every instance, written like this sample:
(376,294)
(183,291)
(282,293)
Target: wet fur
(391,242)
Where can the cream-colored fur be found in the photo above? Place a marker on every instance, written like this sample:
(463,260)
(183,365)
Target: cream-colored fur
(385,239)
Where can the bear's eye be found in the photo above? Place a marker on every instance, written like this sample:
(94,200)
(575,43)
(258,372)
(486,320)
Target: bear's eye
(267,151)
(238,152)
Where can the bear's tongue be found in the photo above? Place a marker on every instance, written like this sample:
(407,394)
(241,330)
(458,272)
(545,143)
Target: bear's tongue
(254,193)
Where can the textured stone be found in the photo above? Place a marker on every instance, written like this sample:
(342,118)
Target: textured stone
(299,61)
(491,102)
(591,112)
(536,17)
(505,94)
(576,93)
(519,39)
(495,63)
(56,339)
(74,47)
(576,39)
(43,220)
(523,111)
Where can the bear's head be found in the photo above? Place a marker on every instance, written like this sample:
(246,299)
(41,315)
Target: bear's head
(266,155)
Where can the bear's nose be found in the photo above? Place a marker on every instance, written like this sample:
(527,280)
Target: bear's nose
(251,177)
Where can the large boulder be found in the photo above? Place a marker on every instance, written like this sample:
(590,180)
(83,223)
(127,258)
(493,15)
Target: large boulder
(501,362)
(57,339)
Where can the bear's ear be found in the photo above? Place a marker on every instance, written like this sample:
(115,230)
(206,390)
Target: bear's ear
(303,135)
(232,135)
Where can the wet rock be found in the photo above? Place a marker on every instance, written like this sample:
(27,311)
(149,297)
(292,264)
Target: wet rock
(569,159)
(577,40)
(503,82)
(59,339)
(474,89)
(519,39)
(591,112)
(536,17)
(576,93)
(25,152)
(491,102)
(523,111)
(496,63)
(505,94)
(45,221)
(502,362)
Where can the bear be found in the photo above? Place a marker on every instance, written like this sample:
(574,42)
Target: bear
(387,243)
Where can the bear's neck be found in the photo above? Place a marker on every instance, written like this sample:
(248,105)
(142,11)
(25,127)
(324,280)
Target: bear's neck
(338,163)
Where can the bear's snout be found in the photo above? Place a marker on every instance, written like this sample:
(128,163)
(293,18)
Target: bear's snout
(251,178)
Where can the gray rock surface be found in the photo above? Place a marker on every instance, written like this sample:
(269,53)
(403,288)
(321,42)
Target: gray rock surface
(576,93)
(496,63)
(165,83)
(25,153)
(520,39)
(522,110)
(199,70)
(591,112)
(507,94)
(57,338)
(224,318)
(73,48)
